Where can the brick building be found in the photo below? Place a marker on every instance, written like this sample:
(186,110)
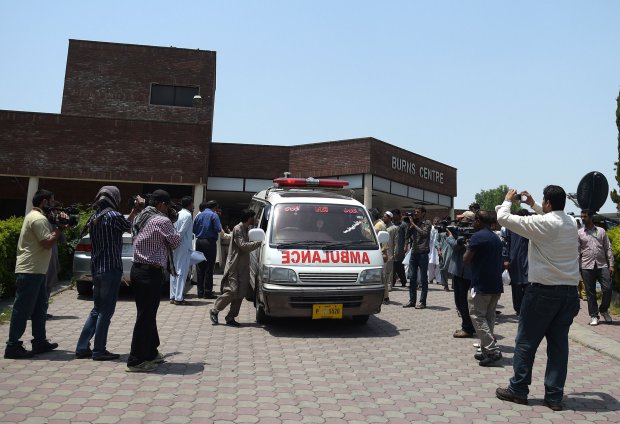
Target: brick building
(141,118)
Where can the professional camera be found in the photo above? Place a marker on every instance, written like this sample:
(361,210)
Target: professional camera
(53,214)
(462,231)
(443,225)
(133,201)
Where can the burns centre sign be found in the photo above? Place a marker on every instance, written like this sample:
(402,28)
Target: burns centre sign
(408,167)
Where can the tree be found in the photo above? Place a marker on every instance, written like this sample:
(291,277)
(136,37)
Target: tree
(488,199)
(615,197)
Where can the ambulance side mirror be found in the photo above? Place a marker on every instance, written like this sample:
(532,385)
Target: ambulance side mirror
(257,234)
(383,236)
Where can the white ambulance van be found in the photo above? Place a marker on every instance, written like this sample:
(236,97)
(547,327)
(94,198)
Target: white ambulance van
(320,256)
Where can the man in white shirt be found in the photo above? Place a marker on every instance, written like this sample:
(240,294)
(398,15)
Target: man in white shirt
(181,255)
(550,302)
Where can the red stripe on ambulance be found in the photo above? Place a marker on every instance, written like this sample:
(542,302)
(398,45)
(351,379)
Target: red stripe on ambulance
(316,257)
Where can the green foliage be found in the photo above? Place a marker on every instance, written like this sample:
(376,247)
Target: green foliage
(72,237)
(614,237)
(615,197)
(9,235)
(488,199)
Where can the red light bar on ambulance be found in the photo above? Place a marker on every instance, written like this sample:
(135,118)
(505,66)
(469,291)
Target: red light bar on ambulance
(309,182)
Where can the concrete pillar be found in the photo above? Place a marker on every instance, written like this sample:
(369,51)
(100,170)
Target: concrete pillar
(368,191)
(33,187)
(199,194)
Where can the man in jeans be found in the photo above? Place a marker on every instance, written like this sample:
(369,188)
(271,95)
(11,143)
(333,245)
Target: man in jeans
(34,250)
(419,234)
(484,254)
(106,227)
(597,264)
(550,302)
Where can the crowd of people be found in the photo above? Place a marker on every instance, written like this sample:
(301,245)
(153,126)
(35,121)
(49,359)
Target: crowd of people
(544,255)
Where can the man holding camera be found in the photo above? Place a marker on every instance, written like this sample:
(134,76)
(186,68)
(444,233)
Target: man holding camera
(550,302)
(418,234)
(34,250)
(154,238)
(106,227)
(484,254)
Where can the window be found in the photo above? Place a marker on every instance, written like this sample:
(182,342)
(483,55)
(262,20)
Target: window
(173,95)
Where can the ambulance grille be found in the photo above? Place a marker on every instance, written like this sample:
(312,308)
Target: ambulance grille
(328,279)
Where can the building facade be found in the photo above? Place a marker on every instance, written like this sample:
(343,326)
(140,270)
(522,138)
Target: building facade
(141,118)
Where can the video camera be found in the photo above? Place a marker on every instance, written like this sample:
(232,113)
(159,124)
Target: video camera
(53,214)
(173,209)
(461,231)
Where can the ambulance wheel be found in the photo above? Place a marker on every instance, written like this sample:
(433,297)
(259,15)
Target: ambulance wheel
(261,316)
(360,319)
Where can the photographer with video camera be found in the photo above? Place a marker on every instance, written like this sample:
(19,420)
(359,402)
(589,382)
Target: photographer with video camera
(418,234)
(154,238)
(106,227)
(34,251)
(461,274)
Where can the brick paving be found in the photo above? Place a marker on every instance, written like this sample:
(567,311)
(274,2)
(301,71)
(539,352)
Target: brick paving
(403,366)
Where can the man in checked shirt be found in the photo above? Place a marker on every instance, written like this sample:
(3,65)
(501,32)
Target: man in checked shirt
(596,263)
(154,240)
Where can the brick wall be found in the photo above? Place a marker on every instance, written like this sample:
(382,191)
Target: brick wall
(331,158)
(114,80)
(57,146)
(248,160)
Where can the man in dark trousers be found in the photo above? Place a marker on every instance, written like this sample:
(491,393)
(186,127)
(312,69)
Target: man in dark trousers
(207,229)
(515,261)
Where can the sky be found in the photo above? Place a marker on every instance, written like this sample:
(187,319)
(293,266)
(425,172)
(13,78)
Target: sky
(515,93)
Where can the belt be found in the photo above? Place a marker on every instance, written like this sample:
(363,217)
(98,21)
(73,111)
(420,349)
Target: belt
(550,287)
(146,266)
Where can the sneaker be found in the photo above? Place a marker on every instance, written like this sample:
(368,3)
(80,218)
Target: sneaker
(594,321)
(213,316)
(145,366)
(420,306)
(409,305)
(607,317)
(159,359)
(83,355)
(476,345)
(17,352)
(461,334)
(43,347)
(233,323)
(386,301)
(507,395)
(488,360)
(106,356)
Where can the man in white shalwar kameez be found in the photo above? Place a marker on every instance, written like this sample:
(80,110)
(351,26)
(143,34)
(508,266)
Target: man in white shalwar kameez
(181,255)
(434,272)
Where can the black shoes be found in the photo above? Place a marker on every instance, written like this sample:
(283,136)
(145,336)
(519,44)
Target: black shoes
(409,305)
(17,352)
(213,316)
(209,296)
(84,355)
(43,347)
(106,356)
(553,406)
(386,301)
(487,360)
(507,395)
(233,323)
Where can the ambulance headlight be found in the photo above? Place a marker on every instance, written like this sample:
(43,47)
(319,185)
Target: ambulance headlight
(279,275)
(372,276)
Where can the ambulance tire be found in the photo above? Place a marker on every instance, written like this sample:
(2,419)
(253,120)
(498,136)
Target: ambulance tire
(360,319)
(261,316)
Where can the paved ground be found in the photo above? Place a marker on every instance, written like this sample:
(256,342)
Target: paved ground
(403,366)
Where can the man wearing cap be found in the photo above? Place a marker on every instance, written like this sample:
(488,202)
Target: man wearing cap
(154,237)
(207,229)
(106,227)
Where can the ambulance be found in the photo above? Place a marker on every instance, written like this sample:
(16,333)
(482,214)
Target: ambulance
(320,256)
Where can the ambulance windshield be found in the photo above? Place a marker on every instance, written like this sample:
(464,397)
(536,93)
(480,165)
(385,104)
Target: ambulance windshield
(323,226)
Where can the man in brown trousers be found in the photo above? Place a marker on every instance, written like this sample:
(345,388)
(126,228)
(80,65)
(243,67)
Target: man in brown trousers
(236,279)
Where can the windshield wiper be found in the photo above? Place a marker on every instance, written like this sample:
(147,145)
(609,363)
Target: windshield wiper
(290,244)
(343,244)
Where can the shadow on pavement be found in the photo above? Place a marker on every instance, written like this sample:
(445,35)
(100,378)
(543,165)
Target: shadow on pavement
(345,328)
(180,368)
(595,402)
(59,317)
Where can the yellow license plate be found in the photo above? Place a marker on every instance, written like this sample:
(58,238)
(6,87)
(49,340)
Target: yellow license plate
(331,311)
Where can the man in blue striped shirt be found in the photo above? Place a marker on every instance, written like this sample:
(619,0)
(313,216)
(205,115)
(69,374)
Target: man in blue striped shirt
(106,227)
